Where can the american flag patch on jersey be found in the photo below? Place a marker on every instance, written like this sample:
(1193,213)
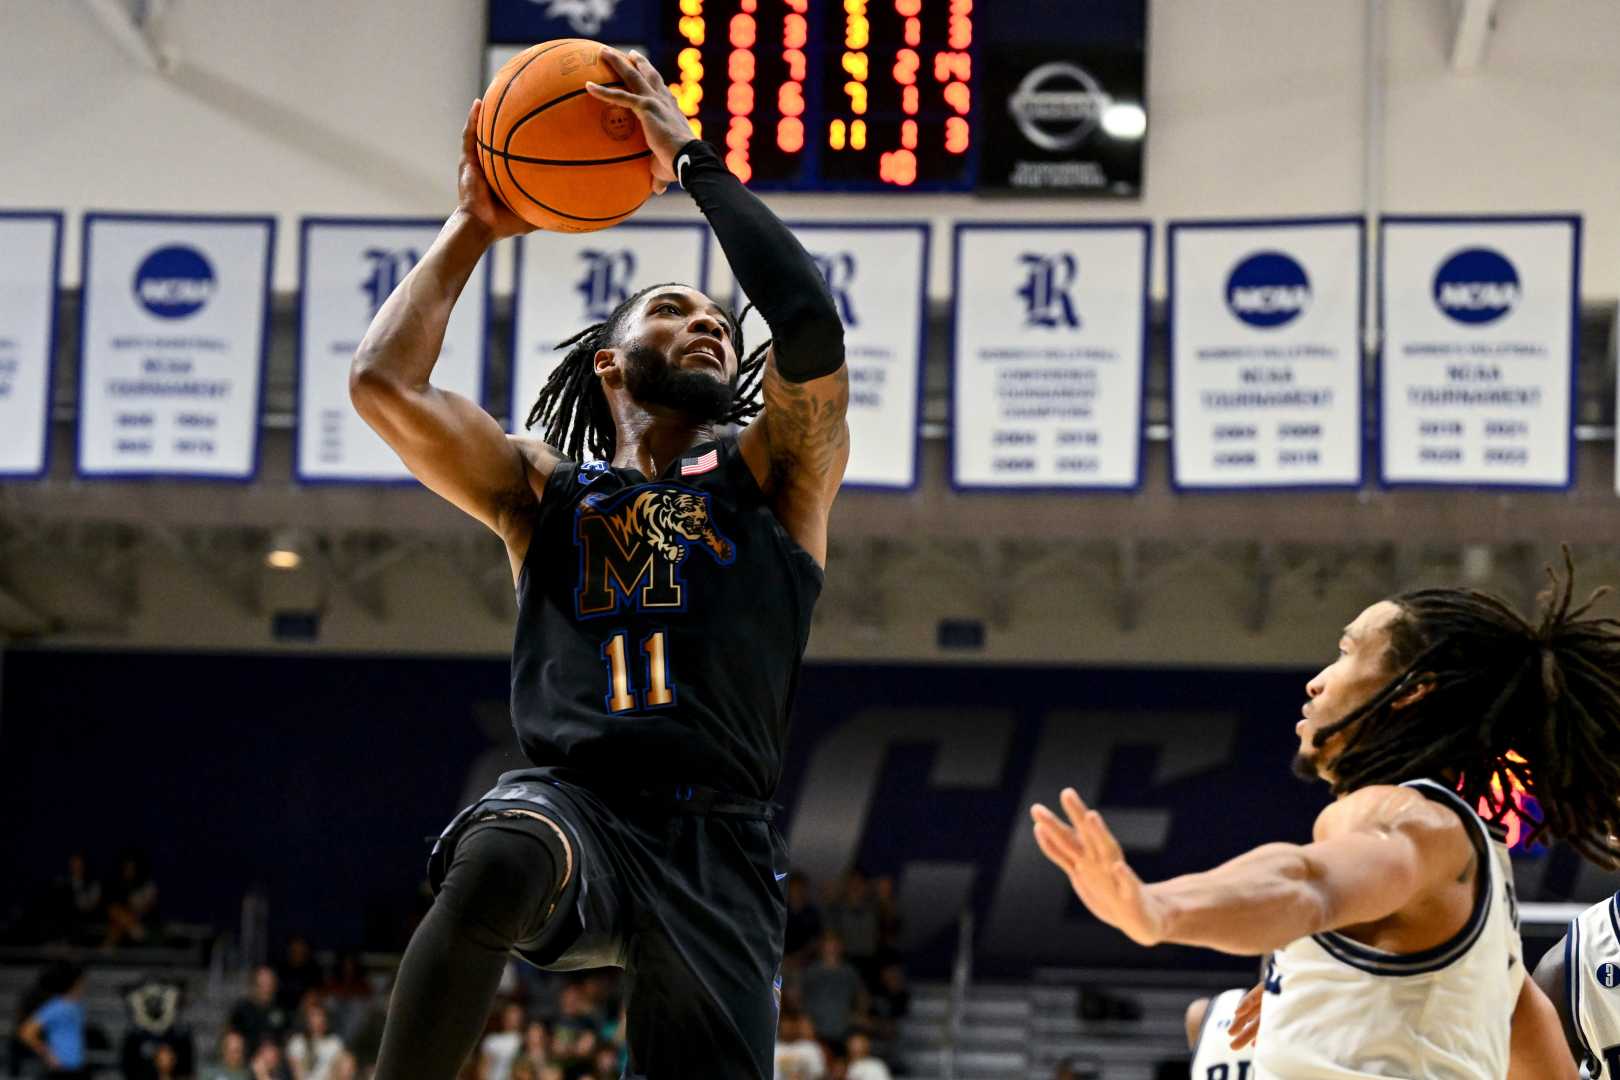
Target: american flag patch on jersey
(701,464)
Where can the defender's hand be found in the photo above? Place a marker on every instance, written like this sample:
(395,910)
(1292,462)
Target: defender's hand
(474,198)
(1246,1018)
(645,94)
(1087,852)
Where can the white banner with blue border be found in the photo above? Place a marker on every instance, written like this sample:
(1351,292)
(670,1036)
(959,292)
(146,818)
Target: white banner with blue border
(1049,350)
(348,268)
(30,255)
(172,345)
(878,277)
(567,281)
(1480,319)
(1265,353)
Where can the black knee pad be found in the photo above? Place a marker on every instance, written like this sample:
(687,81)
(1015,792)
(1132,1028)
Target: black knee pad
(503,879)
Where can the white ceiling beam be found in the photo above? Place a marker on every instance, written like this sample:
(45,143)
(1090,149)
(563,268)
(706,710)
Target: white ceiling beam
(120,21)
(1474,21)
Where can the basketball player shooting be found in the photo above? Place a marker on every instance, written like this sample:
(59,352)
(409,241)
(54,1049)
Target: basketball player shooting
(1394,933)
(664,596)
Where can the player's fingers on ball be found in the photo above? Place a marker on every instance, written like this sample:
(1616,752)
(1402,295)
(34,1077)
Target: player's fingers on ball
(612,95)
(647,70)
(627,69)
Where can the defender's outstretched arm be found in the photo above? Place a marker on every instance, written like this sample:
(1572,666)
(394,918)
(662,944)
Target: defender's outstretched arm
(448,442)
(1375,852)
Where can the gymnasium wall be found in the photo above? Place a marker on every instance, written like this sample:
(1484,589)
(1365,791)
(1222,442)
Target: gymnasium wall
(923,773)
(304,107)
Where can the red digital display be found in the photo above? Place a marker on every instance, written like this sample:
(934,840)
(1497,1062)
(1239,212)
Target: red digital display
(841,95)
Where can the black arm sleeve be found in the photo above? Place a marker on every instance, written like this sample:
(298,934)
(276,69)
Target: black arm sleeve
(770,264)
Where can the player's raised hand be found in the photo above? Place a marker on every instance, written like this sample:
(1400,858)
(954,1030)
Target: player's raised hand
(1246,1018)
(473,195)
(645,94)
(1084,849)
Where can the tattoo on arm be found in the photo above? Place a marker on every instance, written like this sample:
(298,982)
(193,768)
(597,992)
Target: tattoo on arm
(805,425)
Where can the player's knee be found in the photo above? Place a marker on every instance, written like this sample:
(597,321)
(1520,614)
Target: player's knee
(499,885)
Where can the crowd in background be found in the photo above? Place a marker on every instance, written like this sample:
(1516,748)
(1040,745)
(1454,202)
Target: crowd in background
(842,995)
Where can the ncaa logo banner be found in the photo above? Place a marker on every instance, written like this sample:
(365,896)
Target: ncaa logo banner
(567,281)
(1050,345)
(1480,346)
(1265,353)
(348,268)
(172,349)
(30,251)
(878,278)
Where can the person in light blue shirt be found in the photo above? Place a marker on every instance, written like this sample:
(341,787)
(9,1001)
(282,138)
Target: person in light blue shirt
(55,1031)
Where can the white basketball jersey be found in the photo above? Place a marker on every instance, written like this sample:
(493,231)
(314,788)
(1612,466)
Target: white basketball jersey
(1592,984)
(1214,1058)
(1335,1008)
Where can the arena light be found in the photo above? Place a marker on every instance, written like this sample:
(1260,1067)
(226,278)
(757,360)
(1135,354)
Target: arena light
(286,551)
(1124,120)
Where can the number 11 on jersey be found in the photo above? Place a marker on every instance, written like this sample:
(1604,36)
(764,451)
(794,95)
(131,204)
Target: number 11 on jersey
(622,696)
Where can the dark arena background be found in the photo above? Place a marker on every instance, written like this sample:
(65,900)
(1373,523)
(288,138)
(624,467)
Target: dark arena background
(1177,335)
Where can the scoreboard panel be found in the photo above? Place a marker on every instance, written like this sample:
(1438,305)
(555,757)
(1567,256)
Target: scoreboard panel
(1003,96)
(828,96)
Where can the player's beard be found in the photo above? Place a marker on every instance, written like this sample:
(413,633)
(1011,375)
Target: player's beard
(653,380)
(1304,766)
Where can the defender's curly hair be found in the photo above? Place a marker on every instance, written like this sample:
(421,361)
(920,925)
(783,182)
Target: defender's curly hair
(573,408)
(1508,701)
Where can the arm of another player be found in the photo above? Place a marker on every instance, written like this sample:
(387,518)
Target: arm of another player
(448,442)
(799,446)
(1552,979)
(1375,851)
(1536,1049)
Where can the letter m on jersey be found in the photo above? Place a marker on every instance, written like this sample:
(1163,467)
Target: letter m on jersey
(631,548)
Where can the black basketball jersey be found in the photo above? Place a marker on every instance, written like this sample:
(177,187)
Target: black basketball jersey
(661,625)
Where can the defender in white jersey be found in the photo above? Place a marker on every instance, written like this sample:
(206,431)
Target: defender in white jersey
(1394,931)
(1209,1036)
(1581,974)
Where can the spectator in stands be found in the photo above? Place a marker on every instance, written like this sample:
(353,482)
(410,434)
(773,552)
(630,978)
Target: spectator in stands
(862,1065)
(315,1051)
(607,1065)
(552,1071)
(257,1016)
(854,915)
(500,1048)
(165,1063)
(132,899)
(834,997)
(803,918)
(346,994)
(887,903)
(55,1031)
(73,905)
(268,1064)
(232,1063)
(536,1051)
(577,1013)
(886,1007)
(798,1055)
(298,975)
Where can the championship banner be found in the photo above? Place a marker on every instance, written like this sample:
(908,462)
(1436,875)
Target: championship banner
(1049,353)
(173,342)
(348,268)
(878,277)
(567,281)
(30,257)
(1480,321)
(1265,353)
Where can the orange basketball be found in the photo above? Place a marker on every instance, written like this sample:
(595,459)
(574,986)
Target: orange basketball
(558,157)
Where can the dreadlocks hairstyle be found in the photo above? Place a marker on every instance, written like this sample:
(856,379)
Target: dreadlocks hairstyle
(1511,706)
(574,409)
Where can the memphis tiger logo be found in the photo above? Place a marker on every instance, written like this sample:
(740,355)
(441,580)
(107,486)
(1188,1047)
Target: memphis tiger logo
(632,547)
